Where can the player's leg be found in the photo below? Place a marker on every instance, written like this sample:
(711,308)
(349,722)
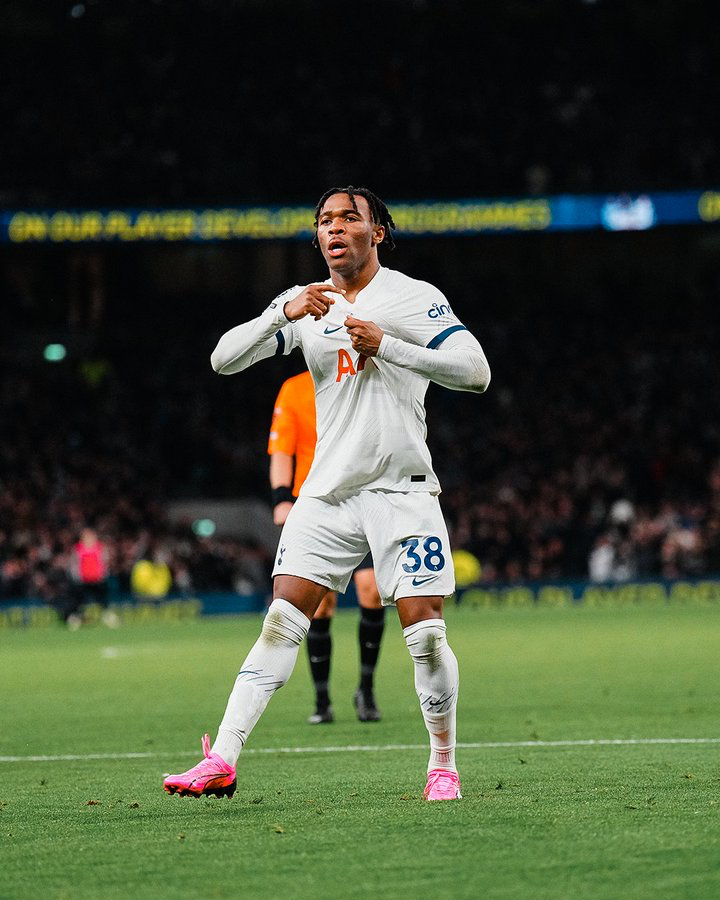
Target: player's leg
(266,668)
(270,662)
(318,537)
(370,632)
(319,647)
(73,607)
(108,616)
(413,567)
(436,684)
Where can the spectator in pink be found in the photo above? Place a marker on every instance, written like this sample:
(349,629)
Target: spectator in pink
(90,573)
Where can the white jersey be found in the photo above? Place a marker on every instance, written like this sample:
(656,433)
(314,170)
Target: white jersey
(370,411)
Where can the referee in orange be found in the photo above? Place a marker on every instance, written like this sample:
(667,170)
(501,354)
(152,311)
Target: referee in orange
(291,448)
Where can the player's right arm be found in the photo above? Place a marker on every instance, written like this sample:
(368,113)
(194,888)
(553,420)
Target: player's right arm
(258,339)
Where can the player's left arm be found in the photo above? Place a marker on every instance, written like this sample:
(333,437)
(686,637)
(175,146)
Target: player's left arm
(452,358)
(282,471)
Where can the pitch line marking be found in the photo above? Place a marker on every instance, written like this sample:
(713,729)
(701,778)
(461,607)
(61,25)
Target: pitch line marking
(371,748)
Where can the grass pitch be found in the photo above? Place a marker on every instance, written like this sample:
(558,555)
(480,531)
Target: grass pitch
(537,820)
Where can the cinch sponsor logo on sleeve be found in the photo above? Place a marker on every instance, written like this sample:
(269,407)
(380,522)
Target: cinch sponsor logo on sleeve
(441,309)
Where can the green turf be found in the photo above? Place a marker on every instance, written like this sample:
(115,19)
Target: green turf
(535,822)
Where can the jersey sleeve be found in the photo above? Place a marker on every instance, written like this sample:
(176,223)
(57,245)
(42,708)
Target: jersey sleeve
(432,342)
(430,320)
(284,426)
(271,333)
(288,337)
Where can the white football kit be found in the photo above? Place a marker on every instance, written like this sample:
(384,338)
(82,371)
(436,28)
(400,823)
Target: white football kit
(371,484)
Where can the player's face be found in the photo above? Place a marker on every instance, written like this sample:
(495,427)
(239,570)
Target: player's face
(347,236)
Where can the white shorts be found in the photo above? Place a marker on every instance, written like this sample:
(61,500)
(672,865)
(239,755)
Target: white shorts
(323,540)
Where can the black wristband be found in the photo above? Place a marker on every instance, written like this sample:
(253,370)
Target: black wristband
(282,495)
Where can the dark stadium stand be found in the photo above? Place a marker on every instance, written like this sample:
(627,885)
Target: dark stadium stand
(225,101)
(595,450)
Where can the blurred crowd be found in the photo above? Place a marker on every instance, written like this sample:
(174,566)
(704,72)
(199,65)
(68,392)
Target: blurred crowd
(70,459)
(595,452)
(231,101)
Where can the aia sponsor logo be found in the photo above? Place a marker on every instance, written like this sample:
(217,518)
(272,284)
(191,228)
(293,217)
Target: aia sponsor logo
(346,366)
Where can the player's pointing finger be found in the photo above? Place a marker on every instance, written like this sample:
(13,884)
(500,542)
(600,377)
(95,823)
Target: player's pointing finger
(330,289)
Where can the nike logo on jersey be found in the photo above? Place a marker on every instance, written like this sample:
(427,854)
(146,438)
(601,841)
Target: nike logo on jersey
(416,582)
(332,330)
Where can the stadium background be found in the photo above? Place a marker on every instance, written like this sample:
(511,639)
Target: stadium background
(579,140)
(593,459)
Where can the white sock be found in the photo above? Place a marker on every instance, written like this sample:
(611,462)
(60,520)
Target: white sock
(436,683)
(267,667)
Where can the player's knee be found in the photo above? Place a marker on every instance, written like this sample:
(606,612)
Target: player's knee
(372,617)
(366,589)
(284,625)
(436,669)
(327,606)
(427,643)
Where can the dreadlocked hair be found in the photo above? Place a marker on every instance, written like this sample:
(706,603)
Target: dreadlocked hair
(379,212)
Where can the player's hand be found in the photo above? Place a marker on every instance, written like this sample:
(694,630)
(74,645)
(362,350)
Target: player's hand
(281,512)
(364,336)
(314,301)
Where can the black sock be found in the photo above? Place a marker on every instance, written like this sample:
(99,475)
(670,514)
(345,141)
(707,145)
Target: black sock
(370,632)
(319,646)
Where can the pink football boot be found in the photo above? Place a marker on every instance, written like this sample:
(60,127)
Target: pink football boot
(210,776)
(442,785)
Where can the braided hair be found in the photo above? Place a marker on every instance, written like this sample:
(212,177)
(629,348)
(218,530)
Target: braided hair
(379,212)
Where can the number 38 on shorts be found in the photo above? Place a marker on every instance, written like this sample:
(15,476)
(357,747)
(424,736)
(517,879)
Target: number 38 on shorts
(423,553)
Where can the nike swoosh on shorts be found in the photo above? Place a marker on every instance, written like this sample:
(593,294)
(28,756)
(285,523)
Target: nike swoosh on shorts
(417,582)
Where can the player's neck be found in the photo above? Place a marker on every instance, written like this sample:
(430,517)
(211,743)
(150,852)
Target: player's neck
(355,280)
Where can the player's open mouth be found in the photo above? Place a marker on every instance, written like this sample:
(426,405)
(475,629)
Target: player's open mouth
(337,248)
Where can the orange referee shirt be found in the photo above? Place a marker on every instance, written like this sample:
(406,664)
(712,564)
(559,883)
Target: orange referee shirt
(293,428)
